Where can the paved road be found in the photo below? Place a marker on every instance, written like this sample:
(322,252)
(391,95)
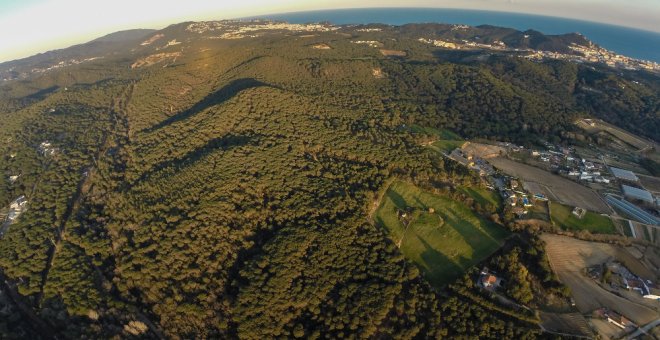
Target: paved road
(644,329)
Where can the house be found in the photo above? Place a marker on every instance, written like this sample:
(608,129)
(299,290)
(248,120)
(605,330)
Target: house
(18,203)
(588,165)
(601,179)
(579,212)
(618,319)
(586,176)
(489,280)
(540,197)
(514,184)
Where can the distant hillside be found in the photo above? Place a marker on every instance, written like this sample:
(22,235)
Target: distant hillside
(221,180)
(97,48)
(125,36)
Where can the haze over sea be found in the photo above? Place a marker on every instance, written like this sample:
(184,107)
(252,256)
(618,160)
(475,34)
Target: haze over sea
(622,40)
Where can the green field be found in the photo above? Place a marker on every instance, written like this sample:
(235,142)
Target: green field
(562,215)
(446,145)
(447,140)
(483,196)
(443,243)
(443,134)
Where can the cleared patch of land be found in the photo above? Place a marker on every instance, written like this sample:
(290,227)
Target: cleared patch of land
(621,134)
(393,53)
(483,150)
(595,223)
(569,256)
(442,236)
(561,189)
(446,140)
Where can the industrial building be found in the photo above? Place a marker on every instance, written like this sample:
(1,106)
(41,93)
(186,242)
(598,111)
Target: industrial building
(625,175)
(632,210)
(637,194)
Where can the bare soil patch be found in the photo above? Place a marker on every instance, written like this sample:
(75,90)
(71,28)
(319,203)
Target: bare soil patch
(393,53)
(483,150)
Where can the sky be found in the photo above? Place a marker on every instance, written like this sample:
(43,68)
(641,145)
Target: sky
(28,27)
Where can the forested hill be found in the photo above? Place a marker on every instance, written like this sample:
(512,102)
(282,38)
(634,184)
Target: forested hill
(218,179)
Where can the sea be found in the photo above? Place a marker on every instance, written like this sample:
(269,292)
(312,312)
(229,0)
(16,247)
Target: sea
(639,44)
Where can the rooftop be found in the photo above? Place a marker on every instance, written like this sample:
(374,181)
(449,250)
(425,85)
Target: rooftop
(624,174)
(637,193)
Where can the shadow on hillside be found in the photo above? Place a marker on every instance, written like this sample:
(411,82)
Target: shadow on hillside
(218,97)
(431,257)
(43,93)
(398,200)
(221,143)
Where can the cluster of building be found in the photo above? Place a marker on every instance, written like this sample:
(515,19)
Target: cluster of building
(369,29)
(614,318)
(16,208)
(239,29)
(581,54)
(567,163)
(47,149)
(472,162)
(625,279)
(595,54)
(465,44)
(371,43)
(515,196)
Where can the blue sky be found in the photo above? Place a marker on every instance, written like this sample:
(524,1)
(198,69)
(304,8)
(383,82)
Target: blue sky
(31,26)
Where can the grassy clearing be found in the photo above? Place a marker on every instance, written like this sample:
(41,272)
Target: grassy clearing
(483,196)
(446,145)
(447,140)
(443,243)
(593,222)
(440,133)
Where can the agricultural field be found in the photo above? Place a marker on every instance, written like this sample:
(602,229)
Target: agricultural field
(444,241)
(562,215)
(558,188)
(569,257)
(573,323)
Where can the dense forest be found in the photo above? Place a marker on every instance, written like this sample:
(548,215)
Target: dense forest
(223,191)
